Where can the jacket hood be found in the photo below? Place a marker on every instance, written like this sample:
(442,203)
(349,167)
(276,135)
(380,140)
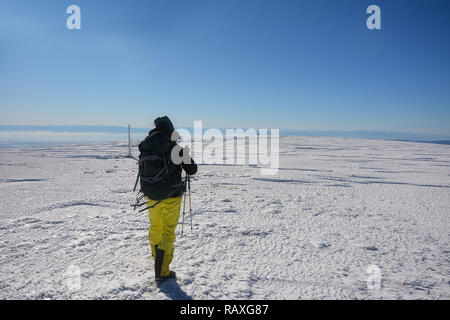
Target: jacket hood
(164,124)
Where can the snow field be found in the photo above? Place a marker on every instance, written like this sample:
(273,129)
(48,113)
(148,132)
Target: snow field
(336,207)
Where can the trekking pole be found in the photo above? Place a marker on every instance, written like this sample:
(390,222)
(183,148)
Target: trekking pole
(190,207)
(184,209)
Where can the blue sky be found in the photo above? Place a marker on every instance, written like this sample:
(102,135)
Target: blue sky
(303,65)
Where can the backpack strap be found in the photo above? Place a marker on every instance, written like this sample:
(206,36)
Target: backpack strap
(140,204)
(150,158)
(138,201)
(149,207)
(137,180)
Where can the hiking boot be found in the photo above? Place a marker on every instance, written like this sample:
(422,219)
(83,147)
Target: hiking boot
(159,257)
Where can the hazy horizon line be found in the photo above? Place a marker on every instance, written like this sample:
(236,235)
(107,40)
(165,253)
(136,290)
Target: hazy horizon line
(382,134)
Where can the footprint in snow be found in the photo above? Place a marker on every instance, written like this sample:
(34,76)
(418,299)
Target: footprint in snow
(320,245)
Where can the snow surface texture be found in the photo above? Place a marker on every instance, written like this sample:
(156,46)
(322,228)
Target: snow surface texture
(336,207)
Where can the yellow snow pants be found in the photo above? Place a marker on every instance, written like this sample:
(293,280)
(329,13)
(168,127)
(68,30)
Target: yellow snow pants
(163,222)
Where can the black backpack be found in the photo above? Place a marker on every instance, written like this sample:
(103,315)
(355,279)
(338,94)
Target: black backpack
(159,177)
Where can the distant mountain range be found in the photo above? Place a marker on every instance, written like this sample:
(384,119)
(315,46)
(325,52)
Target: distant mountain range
(382,135)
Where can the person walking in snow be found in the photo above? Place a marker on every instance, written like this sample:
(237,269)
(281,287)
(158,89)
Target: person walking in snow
(162,184)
